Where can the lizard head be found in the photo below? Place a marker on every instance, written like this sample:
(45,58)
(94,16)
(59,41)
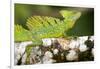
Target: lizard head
(70,17)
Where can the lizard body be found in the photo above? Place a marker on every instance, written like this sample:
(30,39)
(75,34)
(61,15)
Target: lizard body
(47,27)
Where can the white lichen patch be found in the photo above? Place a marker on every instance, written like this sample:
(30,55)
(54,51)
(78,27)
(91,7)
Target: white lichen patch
(64,43)
(55,51)
(74,44)
(72,55)
(83,48)
(47,42)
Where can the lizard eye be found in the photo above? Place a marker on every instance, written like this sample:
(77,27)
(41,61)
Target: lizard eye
(72,17)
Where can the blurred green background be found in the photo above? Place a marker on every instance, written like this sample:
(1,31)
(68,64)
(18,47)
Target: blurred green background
(83,27)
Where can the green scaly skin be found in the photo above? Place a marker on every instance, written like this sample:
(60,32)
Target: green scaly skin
(47,27)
